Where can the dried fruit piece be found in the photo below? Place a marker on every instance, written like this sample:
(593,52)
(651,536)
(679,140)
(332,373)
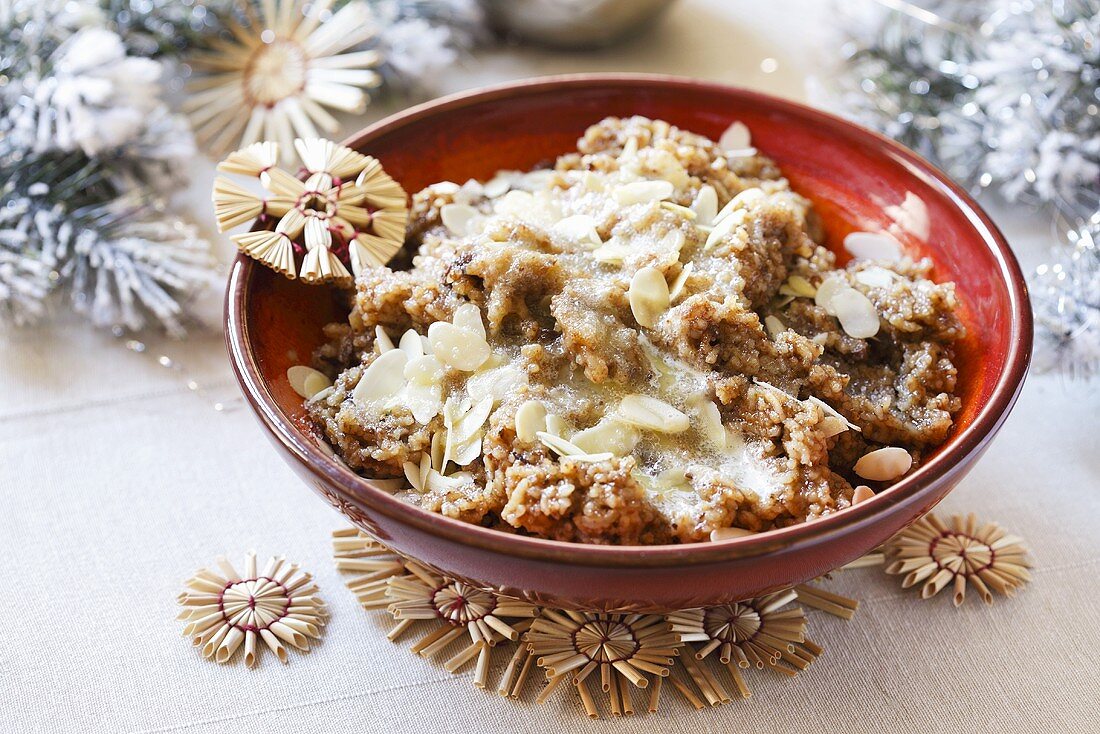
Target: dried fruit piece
(873,246)
(648,296)
(384,377)
(856,313)
(884,465)
(307,381)
(652,414)
(640,192)
(530,420)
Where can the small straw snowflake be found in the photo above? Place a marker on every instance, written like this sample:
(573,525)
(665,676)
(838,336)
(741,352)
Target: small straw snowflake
(752,633)
(225,609)
(370,566)
(343,211)
(624,648)
(457,609)
(958,553)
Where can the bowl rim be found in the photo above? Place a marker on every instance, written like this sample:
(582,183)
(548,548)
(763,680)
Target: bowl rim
(354,488)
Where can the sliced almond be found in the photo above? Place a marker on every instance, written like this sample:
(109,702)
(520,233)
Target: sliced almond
(579,228)
(710,421)
(384,377)
(832,426)
(648,296)
(641,192)
(468,450)
(735,136)
(729,533)
(774,326)
(411,344)
(613,252)
(825,292)
(530,420)
(705,205)
(608,435)
(457,217)
(439,445)
(832,412)
(515,204)
(423,401)
(681,280)
(590,458)
(557,425)
(743,200)
(862,493)
(496,186)
(873,246)
(307,381)
(382,340)
(439,483)
(678,209)
(724,227)
(468,316)
(856,313)
(425,370)
(472,421)
(559,445)
(412,473)
(885,464)
(876,277)
(801,287)
(652,414)
(459,348)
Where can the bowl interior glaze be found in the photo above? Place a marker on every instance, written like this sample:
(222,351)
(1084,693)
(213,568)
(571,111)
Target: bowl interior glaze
(850,174)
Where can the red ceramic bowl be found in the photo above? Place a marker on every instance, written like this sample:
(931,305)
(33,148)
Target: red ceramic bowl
(849,173)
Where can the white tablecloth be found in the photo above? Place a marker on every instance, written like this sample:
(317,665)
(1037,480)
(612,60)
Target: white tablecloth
(118,481)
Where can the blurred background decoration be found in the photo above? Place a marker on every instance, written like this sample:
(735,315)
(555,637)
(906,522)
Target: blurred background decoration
(1005,96)
(93,147)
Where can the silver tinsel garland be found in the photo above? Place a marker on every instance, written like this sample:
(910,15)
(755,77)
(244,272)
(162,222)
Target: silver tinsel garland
(1004,96)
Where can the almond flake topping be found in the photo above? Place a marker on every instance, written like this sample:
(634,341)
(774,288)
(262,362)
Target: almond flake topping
(579,228)
(457,218)
(457,347)
(382,379)
(876,277)
(856,313)
(774,326)
(652,414)
(307,381)
(648,295)
(705,205)
(382,340)
(740,202)
(530,420)
(609,435)
(681,280)
(735,137)
(885,464)
(641,192)
(873,246)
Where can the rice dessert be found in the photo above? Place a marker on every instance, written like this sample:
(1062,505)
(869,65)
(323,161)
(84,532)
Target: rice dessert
(644,344)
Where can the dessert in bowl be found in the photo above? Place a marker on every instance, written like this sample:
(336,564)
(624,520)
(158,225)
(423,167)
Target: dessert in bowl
(577,385)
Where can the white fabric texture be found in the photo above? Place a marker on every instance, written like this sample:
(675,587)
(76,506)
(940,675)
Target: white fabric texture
(118,481)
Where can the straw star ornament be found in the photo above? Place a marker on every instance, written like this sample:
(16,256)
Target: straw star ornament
(279,70)
(226,610)
(959,553)
(343,215)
